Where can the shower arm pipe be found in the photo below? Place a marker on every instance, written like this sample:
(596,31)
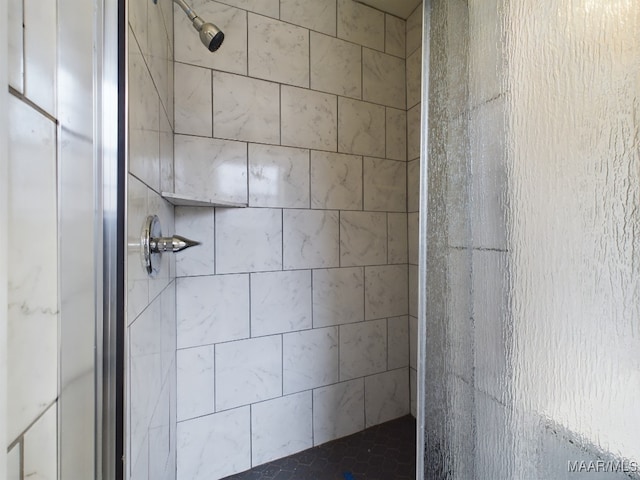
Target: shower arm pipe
(187,9)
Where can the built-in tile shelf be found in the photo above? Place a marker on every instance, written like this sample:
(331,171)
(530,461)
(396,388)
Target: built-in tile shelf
(181,200)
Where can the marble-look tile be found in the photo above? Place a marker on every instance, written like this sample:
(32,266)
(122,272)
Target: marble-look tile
(363,238)
(278,51)
(280,302)
(413,290)
(413,132)
(385,291)
(270,439)
(395,36)
(32,295)
(138,22)
(158,56)
(144,121)
(278,176)
(40,54)
(166,154)
(413,186)
(248,371)
(14,462)
(214,446)
(165,212)
(398,342)
(396,134)
(414,30)
(383,78)
(361,128)
(309,119)
(338,296)
(414,78)
(385,185)
(387,396)
(196,384)
(140,465)
(40,447)
(397,228)
(168,332)
(209,168)
(413,342)
(318,15)
(338,411)
(196,223)
(212,309)
(310,359)
(232,57)
(245,108)
(360,24)
(336,66)
(310,239)
(413,237)
(15,59)
(248,240)
(193,103)
(270,8)
(137,279)
(363,349)
(336,181)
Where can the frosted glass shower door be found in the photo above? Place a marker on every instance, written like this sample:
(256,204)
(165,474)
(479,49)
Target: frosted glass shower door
(532,229)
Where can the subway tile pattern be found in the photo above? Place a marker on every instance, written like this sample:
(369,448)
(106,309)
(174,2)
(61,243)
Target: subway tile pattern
(294,308)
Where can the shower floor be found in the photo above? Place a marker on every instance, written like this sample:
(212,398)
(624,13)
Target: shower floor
(383,452)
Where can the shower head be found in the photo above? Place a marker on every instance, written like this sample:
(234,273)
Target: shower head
(210,35)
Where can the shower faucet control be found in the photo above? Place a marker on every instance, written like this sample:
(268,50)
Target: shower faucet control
(154,244)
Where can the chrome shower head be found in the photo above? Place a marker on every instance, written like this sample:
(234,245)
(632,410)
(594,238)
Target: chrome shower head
(210,35)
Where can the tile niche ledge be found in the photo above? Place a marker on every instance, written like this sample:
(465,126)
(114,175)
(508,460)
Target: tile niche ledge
(181,200)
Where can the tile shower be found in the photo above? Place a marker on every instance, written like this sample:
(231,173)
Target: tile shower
(295,310)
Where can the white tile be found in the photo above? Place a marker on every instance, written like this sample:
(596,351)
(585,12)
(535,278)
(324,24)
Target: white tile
(193,102)
(196,385)
(387,396)
(363,238)
(40,448)
(248,371)
(231,57)
(196,223)
(318,15)
(383,78)
(397,225)
(138,22)
(168,333)
(360,24)
(160,436)
(278,176)
(338,411)
(212,309)
(336,66)
(280,302)
(395,36)
(14,464)
(413,186)
(270,439)
(385,185)
(270,8)
(140,465)
(363,349)
(215,446)
(338,296)
(158,54)
(413,132)
(361,128)
(336,181)
(166,155)
(413,342)
(32,317)
(248,240)
(15,59)
(414,78)
(396,134)
(385,291)
(137,279)
(245,108)
(398,339)
(310,359)
(40,52)
(413,237)
(414,30)
(310,239)
(309,119)
(278,51)
(209,168)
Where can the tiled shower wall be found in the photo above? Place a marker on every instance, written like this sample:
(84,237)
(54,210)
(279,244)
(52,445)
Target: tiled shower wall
(150,375)
(292,316)
(32,336)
